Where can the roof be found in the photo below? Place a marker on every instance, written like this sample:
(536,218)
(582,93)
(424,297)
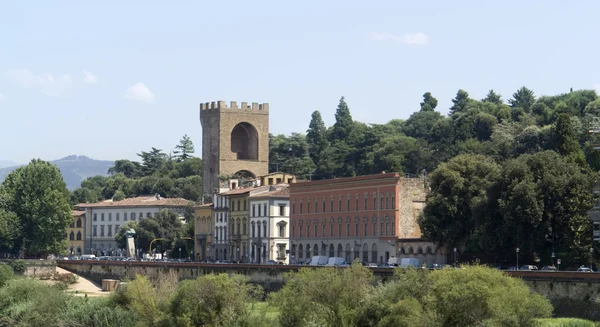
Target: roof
(140,201)
(77,213)
(274,192)
(203,205)
(369,178)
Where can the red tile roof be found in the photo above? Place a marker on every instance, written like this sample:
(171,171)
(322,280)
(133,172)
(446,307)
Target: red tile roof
(77,213)
(280,191)
(140,201)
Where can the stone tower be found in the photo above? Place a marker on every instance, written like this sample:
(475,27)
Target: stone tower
(235,140)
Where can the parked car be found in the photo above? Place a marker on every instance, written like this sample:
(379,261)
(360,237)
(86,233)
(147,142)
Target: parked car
(549,268)
(584,269)
(528,267)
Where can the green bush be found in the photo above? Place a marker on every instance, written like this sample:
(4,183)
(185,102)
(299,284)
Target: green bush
(18,266)
(564,322)
(96,312)
(6,274)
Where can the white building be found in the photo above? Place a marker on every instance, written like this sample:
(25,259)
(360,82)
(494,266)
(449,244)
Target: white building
(269,225)
(105,219)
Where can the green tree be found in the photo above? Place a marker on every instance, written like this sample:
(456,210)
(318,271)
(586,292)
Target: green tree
(165,225)
(458,201)
(459,103)
(37,194)
(119,195)
(10,230)
(184,149)
(6,274)
(523,98)
(129,169)
(153,161)
(492,97)
(316,137)
(321,297)
(429,102)
(344,124)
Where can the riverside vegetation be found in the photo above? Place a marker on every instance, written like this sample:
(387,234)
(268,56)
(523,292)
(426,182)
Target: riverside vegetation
(475,296)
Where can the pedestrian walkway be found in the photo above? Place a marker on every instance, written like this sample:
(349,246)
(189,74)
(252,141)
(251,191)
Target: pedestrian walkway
(83,286)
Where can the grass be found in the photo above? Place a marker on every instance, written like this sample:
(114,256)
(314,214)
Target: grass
(565,322)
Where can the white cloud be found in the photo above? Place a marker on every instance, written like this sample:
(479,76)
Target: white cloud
(407,39)
(140,92)
(48,84)
(90,78)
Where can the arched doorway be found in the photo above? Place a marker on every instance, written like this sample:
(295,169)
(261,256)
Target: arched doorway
(244,141)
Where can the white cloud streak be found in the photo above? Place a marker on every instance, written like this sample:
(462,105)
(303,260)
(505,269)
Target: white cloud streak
(406,39)
(48,84)
(90,78)
(139,92)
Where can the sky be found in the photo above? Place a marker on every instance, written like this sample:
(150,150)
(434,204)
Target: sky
(108,79)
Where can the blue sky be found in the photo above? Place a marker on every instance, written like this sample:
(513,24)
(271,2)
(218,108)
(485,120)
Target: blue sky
(108,79)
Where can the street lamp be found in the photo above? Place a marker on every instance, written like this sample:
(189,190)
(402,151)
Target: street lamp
(517,258)
(455,257)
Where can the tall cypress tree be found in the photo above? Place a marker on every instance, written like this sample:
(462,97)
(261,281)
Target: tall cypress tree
(566,143)
(343,122)
(316,137)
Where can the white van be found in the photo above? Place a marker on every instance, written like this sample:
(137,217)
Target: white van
(87,257)
(319,260)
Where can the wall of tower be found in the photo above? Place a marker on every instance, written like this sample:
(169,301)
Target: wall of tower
(218,121)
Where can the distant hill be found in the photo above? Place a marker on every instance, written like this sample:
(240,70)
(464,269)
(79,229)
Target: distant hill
(6,163)
(74,169)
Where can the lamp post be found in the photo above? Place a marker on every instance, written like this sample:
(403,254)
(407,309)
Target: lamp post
(455,249)
(517,258)
(591,258)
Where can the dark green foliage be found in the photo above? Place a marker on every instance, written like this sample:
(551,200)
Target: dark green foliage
(316,137)
(6,274)
(523,98)
(429,102)
(492,97)
(18,266)
(459,103)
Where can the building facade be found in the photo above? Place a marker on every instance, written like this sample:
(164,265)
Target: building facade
(75,234)
(269,225)
(104,219)
(371,218)
(203,232)
(235,141)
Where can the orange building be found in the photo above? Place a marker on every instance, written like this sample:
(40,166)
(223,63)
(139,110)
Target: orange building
(371,218)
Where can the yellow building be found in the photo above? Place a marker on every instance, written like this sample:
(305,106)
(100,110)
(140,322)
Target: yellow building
(277,178)
(75,234)
(238,225)
(203,232)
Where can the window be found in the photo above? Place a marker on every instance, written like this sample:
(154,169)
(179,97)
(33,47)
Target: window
(148,215)
(308,207)
(95,217)
(300,228)
(316,230)
(374,203)
(293,208)
(72,236)
(95,232)
(79,236)
(124,216)
(331,229)
(323,205)
(340,205)
(232,206)
(387,202)
(265,209)
(101,217)
(117,228)
(387,228)
(374,229)
(300,207)
(141,215)
(259,211)
(245,205)
(239,230)
(381,202)
(101,231)
(293,230)
(348,204)
(72,225)
(239,205)
(244,227)
(79,223)
(339,230)
(323,230)
(254,210)
(117,216)
(381,229)
(331,205)
(393,202)
(393,228)
(356,204)
(307,230)
(365,203)
(109,216)
(316,207)
(109,230)
(365,231)
(282,209)
(281,230)
(348,229)
(253,229)
(356,229)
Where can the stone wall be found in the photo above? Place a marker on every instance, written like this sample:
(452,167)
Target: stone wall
(37,267)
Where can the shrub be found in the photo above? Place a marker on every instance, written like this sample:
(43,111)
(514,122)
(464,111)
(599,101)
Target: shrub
(18,266)
(96,312)
(67,278)
(6,274)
